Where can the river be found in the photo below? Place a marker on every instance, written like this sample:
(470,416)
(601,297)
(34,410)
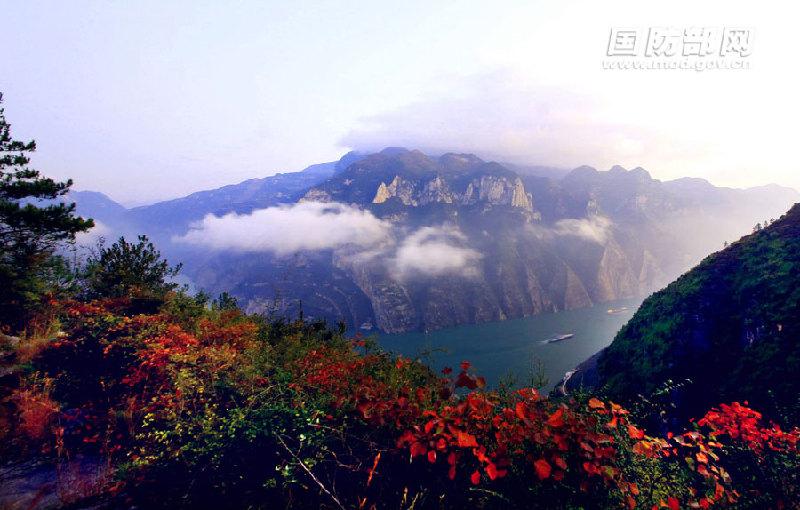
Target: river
(516,347)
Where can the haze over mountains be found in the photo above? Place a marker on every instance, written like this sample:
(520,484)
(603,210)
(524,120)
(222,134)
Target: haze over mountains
(400,240)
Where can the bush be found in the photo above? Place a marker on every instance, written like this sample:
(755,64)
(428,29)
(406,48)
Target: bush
(127,269)
(199,405)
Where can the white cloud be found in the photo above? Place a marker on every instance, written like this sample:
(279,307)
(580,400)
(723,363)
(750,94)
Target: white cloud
(594,229)
(356,234)
(433,251)
(501,115)
(286,229)
(675,124)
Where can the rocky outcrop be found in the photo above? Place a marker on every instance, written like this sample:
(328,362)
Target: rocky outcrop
(382,195)
(520,198)
(488,189)
(651,276)
(496,190)
(575,294)
(615,276)
(436,191)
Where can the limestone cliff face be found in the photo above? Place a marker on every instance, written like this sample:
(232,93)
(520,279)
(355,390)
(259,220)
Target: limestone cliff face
(392,306)
(496,190)
(403,189)
(615,275)
(382,195)
(519,275)
(651,276)
(575,294)
(414,193)
(436,191)
(488,189)
(520,198)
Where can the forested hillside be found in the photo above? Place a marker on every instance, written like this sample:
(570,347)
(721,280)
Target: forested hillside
(730,326)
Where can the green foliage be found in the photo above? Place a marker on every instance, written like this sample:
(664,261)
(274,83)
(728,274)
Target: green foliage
(32,225)
(730,326)
(127,269)
(225,301)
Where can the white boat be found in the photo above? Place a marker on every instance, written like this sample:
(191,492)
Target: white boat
(559,338)
(617,311)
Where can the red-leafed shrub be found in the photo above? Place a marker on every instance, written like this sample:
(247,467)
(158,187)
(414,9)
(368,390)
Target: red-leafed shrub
(37,413)
(744,425)
(200,406)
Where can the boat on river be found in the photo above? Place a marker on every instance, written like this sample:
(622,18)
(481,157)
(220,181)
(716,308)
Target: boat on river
(559,338)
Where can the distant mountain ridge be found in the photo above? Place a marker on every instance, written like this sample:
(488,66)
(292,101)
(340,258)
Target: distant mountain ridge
(245,197)
(534,242)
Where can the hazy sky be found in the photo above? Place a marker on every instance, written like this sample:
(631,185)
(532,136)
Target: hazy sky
(149,100)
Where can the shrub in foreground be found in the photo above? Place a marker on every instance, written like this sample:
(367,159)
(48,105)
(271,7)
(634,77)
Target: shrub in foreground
(203,407)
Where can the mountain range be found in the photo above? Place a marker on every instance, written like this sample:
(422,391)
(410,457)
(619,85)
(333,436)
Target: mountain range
(399,240)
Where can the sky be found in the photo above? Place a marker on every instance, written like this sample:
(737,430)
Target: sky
(146,101)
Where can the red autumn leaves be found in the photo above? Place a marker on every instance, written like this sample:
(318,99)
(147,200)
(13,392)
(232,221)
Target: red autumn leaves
(483,437)
(743,424)
(474,433)
(452,426)
(543,469)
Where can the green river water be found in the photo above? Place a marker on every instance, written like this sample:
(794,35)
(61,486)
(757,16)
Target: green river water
(515,347)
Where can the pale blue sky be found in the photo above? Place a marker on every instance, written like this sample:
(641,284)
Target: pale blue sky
(150,100)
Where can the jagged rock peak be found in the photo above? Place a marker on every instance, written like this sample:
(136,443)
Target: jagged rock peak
(401,188)
(491,189)
(498,190)
(382,195)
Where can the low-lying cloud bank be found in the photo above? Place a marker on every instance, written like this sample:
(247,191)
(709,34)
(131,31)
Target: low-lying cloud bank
(315,226)
(595,228)
(286,229)
(434,251)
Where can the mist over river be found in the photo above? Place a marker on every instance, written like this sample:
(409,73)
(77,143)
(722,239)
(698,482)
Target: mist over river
(516,347)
